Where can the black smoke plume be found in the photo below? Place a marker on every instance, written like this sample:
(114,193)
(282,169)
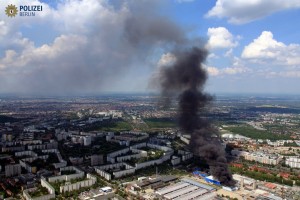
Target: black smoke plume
(187,77)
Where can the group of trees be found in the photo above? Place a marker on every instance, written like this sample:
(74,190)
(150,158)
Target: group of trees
(40,191)
(262,176)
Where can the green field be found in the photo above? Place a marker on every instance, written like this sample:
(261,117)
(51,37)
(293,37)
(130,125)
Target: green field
(253,133)
(117,126)
(160,122)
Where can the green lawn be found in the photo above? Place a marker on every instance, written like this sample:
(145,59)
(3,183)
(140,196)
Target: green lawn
(40,191)
(160,122)
(117,126)
(253,133)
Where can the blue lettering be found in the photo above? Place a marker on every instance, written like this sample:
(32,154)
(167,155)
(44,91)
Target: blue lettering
(31,8)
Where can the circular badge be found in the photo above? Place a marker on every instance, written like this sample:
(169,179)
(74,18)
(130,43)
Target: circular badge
(11,10)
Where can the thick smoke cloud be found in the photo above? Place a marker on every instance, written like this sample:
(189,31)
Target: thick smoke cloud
(186,77)
(93,51)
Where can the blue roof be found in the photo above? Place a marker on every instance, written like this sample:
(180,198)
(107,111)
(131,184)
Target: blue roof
(199,174)
(212,181)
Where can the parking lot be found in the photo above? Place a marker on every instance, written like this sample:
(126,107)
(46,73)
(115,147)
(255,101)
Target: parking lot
(96,194)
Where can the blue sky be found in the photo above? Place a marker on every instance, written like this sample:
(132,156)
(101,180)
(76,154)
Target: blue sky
(90,46)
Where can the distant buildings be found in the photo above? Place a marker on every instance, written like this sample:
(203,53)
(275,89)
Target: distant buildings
(88,181)
(12,170)
(7,137)
(83,140)
(245,182)
(50,145)
(87,140)
(119,168)
(115,170)
(76,160)
(13,148)
(293,162)
(278,143)
(154,183)
(181,157)
(97,160)
(111,113)
(238,153)
(269,159)
(61,163)
(127,137)
(45,184)
(187,189)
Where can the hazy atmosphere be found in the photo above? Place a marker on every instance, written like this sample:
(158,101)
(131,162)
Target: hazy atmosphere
(94,46)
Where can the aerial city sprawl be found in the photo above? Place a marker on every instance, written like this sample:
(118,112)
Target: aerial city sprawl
(149,100)
(126,146)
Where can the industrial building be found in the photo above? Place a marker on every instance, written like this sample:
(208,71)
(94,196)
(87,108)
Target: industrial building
(187,189)
(210,179)
(245,182)
(156,183)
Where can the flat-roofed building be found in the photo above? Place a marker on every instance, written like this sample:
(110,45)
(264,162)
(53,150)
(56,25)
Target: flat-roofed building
(12,170)
(293,162)
(187,189)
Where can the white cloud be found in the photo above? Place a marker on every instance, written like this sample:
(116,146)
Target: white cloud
(3,29)
(213,71)
(212,56)
(95,46)
(265,49)
(237,67)
(290,74)
(285,74)
(234,70)
(243,11)
(166,59)
(220,38)
(10,34)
